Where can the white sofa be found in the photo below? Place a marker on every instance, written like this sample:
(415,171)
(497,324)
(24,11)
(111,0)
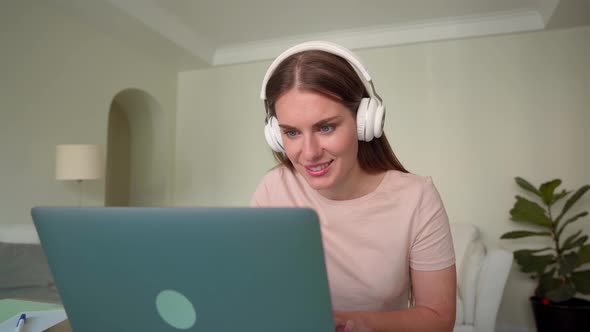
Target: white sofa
(481,277)
(18,233)
(24,272)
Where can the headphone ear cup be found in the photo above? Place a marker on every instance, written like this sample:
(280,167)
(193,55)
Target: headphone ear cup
(361,119)
(272,133)
(365,119)
(379,120)
(267,135)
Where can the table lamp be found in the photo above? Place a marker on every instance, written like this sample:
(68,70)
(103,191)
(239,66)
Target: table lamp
(79,162)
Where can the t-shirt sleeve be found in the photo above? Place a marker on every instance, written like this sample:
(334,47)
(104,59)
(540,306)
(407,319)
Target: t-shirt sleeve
(432,247)
(260,197)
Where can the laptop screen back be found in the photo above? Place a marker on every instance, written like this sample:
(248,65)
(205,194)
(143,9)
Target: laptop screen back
(198,269)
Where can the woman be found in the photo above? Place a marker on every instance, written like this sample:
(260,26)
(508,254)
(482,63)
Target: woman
(386,234)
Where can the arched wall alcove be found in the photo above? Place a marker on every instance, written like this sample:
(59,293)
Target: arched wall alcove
(135,171)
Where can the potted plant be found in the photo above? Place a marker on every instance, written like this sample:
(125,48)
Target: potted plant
(559,267)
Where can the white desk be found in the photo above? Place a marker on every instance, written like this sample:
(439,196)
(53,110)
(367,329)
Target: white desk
(10,307)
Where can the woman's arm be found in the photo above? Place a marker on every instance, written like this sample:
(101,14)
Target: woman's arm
(435,295)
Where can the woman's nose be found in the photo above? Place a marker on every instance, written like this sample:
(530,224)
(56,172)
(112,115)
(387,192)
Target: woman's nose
(311,148)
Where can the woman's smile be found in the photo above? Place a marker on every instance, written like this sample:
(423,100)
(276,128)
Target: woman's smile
(318,169)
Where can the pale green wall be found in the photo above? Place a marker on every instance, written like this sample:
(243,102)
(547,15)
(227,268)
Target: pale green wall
(58,79)
(472,113)
(221,152)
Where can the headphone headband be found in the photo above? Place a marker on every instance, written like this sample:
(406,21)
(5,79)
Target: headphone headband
(326,47)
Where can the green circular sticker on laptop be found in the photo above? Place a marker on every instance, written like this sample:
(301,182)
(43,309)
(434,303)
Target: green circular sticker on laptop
(175,309)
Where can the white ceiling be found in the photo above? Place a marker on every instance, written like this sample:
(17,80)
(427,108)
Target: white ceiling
(202,33)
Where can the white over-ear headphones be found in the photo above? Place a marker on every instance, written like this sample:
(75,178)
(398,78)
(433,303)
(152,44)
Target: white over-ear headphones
(370,115)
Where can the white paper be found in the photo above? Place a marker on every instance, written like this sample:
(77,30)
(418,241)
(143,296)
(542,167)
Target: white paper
(37,321)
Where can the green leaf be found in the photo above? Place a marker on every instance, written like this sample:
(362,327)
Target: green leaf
(524,252)
(559,196)
(569,221)
(572,200)
(583,255)
(573,236)
(519,234)
(546,283)
(581,280)
(570,239)
(527,211)
(531,263)
(567,263)
(562,293)
(524,184)
(547,190)
(577,243)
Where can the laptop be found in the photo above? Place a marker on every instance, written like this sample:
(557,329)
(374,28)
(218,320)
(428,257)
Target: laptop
(187,269)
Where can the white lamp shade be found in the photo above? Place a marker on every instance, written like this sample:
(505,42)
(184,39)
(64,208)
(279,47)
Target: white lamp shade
(79,162)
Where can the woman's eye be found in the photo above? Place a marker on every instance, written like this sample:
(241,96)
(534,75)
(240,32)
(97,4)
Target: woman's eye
(291,133)
(326,129)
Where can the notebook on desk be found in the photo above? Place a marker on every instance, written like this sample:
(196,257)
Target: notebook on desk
(198,269)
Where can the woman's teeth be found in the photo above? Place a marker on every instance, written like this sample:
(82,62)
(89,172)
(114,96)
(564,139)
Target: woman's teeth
(320,167)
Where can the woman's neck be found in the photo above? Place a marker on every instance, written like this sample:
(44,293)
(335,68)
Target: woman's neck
(358,184)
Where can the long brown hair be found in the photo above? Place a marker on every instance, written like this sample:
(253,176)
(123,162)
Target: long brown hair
(332,76)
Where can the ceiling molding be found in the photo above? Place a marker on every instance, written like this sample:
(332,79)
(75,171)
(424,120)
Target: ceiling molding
(384,36)
(159,20)
(546,8)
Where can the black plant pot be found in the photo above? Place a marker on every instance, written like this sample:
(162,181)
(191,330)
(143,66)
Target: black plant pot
(569,316)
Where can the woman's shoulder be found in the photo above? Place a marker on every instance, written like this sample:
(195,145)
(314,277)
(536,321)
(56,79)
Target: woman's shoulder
(278,187)
(410,184)
(395,177)
(279,174)
(278,179)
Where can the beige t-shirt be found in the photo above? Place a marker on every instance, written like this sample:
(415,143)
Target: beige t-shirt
(370,243)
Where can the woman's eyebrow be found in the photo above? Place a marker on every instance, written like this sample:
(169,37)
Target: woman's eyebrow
(287,127)
(317,124)
(330,119)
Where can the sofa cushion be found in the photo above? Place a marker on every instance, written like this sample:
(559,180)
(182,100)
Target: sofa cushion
(18,233)
(470,274)
(459,318)
(463,235)
(468,256)
(24,272)
(23,265)
(463,328)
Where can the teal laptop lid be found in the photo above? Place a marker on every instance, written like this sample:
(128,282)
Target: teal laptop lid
(194,269)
